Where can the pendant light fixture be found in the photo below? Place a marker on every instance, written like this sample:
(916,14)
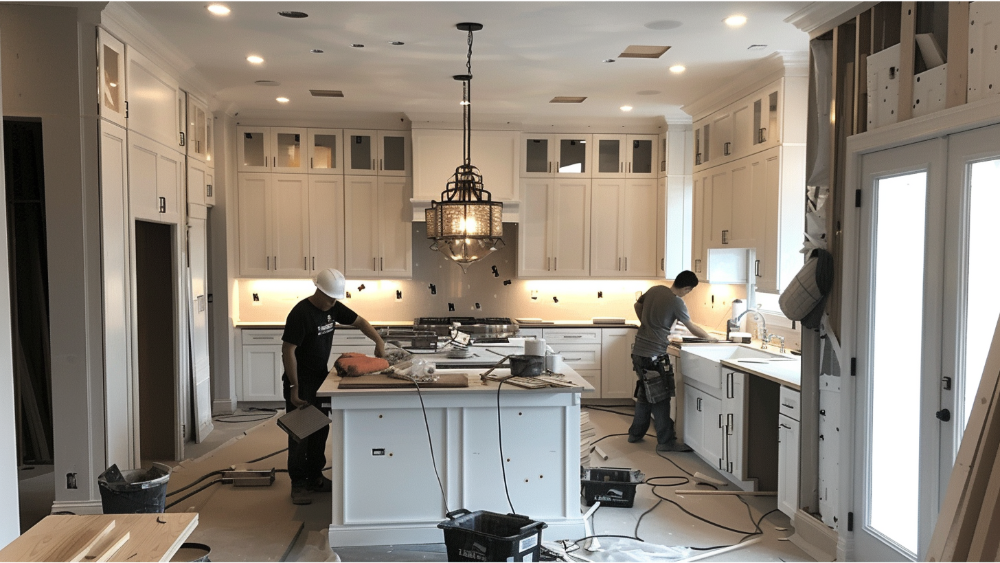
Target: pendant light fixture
(466,225)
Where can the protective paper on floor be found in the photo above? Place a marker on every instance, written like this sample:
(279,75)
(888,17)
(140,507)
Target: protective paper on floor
(622,549)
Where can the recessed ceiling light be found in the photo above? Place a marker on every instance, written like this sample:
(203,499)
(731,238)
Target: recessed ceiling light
(608,61)
(255,59)
(282,100)
(316,51)
(396,43)
(735,21)
(218,9)
(358,45)
(626,108)
(677,69)
(295,15)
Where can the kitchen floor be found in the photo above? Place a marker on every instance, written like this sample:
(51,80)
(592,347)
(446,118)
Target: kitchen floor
(263,525)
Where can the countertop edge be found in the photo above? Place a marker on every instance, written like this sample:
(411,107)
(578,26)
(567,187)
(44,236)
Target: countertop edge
(747,369)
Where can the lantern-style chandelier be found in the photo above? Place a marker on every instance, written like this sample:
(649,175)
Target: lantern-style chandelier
(466,225)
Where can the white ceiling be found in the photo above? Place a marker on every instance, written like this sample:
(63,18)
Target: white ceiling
(527,53)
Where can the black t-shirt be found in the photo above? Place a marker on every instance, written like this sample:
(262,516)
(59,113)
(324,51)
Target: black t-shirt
(311,331)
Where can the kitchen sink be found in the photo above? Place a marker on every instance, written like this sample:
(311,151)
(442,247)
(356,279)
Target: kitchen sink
(702,363)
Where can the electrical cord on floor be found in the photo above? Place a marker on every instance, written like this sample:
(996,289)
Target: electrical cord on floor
(611,435)
(705,520)
(674,463)
(430,443)
(503,467)
(194,492)
(267,456)
(602,409)
(237,418)
(200,479)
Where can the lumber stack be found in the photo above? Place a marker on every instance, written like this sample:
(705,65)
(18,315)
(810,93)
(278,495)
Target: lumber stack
(587,433)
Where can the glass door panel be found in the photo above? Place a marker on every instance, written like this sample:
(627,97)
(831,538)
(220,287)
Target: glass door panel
(288,150)
(324,151)
(361,148)
(572,157)
(609,157)
(112,80)
(536,156)
(393,158)
(253,151)
(641,156)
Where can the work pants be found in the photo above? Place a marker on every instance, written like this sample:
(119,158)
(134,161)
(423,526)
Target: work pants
(306,458)
(652,397)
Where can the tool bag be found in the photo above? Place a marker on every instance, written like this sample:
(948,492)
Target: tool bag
(805,297)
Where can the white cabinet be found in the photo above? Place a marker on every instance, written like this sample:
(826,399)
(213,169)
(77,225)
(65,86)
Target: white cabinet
(198,133)
(210,187)
(734,421)
(554,236)
(382,153)
(262,365)
(720,185)
(326,151)
(617,378)
(722,135)
(326,223)
(197,182)
(788,465)
(111,77)
(155,103)
(623,212)
(547,155)
(582,350)
(625,156)
(270,149)
(378,234)
(156,177)
(437,152)
(273,225)
(747,126)
(703,428)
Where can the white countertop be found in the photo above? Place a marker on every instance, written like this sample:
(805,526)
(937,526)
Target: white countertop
(784,372)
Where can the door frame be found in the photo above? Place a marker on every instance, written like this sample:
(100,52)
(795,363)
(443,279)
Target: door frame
(959,119)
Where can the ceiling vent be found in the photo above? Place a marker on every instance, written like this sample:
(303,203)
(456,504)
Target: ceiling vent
(643,52)
(327,93)
(568,100)
(267,83)
(756,47)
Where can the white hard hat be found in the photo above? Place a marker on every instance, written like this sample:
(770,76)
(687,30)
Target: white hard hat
(332,283)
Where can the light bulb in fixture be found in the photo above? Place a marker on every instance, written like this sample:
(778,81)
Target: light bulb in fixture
(677,69)
(735,21)
(282,100)
(255,59)
(626,108)
(218,9)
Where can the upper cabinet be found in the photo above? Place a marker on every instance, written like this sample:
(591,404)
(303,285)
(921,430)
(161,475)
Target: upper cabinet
(271,149)
(623,212)
(554,234)
(382,153)
(378,234)
(545,155)
(626,156)
(198,134)
(111,69)
(155,104)
(156,176)
(437,152)
(748,126)
(326,151)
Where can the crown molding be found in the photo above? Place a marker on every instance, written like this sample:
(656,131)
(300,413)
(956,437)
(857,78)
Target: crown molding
(122,21)
(777,65)
(817,18)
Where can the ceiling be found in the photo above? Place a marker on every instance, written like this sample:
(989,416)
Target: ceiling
(527,53)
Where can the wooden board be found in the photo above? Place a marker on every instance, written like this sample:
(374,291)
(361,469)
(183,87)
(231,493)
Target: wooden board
(382,381)
(152,537)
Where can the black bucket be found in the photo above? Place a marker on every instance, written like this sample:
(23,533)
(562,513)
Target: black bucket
(488,536)
(611,486)
(192,552)
(135,491)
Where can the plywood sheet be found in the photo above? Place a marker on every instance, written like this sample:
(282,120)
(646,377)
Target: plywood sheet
(382,381)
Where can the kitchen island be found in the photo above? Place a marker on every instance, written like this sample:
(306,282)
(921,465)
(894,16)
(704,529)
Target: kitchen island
(385,489)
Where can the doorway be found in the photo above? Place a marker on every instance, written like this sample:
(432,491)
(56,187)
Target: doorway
(156,342)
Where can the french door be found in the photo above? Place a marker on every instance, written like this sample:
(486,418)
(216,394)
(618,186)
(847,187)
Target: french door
(925,323)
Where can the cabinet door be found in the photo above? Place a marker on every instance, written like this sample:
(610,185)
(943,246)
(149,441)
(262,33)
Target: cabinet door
(209,138)
(572,154)
(143,155)
(617,378)
(197,129)
(253,193)
(766,112)
(722,207)
(742,220)
(290,225)
(288,154)
(694,419)
(361,152)
(766,187)
(701,221)
(209,187)
(437,152)
(534,259)
(662,152)
(742,130)
(734,410)
(537,155)
(395,232)
(661,228)
(569,221)
(170,185)
(607,223)
(639,243)
(155,101)
(714,430)
(253,149)
(609,156)
(641,156)
(262,370)
(196,182)
(361,219)
(394,153)
(326,223)
(111,68)
(788,465)
(722,136)
(326,151)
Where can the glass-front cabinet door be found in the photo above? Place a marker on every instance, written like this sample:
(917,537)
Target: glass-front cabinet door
(326,151)
(197,129)
(253,151)
(641,156)
(361,152)
(287,146)
(573,155)
(609,156)
(394,153)
(111,62)
(536,155)
(209,139)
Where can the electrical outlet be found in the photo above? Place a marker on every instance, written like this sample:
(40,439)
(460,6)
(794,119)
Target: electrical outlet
(534,294)
(71,480)
(256,300)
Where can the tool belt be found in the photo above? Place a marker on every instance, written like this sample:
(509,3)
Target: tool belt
(656,379)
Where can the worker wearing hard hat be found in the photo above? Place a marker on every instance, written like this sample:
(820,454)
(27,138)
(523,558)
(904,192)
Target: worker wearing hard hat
(305,351)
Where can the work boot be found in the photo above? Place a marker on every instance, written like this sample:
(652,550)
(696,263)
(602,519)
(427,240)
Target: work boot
(673,446)
(633,439)
(320,485)
(300,495)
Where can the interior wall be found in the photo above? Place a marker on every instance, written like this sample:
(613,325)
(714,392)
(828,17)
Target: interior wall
(42,51)
(220,265)
(10,526)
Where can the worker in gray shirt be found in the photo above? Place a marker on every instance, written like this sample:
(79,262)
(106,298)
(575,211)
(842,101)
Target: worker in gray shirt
(657,310)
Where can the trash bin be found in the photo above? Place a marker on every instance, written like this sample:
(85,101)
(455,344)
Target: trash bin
(134,491)
(488,536)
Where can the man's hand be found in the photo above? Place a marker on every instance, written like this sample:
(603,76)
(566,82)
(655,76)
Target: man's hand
(380,350)
(293,396)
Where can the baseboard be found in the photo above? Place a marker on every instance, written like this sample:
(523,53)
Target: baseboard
(223,406)
(78,507)
(814,537)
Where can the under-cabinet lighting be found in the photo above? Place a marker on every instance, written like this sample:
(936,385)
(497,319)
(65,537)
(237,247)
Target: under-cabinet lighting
(255,59)
(218,9)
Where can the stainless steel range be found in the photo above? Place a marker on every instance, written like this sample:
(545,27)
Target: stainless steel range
(482,329)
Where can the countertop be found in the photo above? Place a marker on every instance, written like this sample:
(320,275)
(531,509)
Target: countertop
(786,372)
(377,324)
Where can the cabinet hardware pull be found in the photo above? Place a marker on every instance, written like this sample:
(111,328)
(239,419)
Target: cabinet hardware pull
(729,422)
(730,467)
(183,140)
(782,425)
(626,263)
(630,168)
(311,162)
(374,263)
(572,359)
(572,336)
(720,420)
(762,135)
(268,262)
(209,189)
(555,263)
(305,262)
(619,263)
(163,205)
(725,237)
(662,267)
(373,164)
(787,406)
(381,264)
(697,265)
(557,167)
(314,263)
(275,263)
(380,164)
(621,167)
(697,405)
(550,167)
(756,268)
(126,109)
(725,148)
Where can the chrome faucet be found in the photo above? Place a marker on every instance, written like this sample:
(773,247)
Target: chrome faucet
(761,325)
(781,340)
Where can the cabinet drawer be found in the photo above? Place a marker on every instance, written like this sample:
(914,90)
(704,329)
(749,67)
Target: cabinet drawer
(261,336)
(580,356)
(593,377)
(572,335)
(351,338)
(789,403)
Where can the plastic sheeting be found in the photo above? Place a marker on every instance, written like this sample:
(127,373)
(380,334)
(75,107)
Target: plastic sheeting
(622,549)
